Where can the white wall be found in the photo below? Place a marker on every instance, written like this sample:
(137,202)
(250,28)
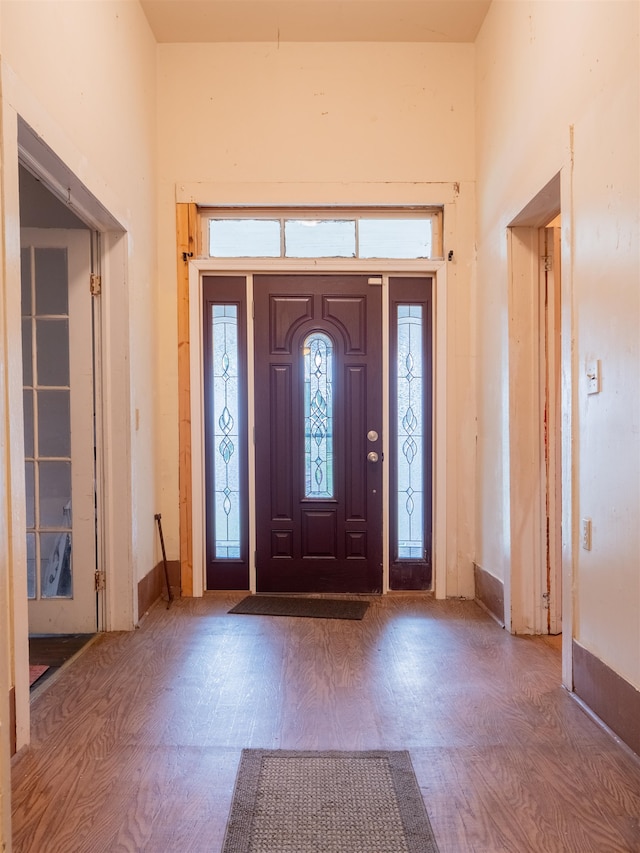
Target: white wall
(558,91)
(83,76)
(332,124)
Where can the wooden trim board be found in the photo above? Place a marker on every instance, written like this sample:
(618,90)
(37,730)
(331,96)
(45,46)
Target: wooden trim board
(613,699)
(489,593)
(187,240)
(152,586)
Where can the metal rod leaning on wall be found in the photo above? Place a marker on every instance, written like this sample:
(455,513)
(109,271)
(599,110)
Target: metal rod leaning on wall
(158,518)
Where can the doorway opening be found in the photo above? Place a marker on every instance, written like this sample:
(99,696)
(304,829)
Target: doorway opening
(533,595)
(58,358)
(67,235)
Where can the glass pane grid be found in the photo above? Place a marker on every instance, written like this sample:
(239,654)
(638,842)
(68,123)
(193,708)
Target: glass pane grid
(354,236)
(47,423)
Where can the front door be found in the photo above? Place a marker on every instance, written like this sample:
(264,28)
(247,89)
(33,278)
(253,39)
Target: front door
(59,431)
(318,377)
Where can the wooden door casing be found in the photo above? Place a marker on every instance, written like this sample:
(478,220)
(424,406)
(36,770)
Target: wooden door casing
(318,544)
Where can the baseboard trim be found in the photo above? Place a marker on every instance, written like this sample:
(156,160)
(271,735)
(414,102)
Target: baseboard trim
(152,586)
(609,696)
(489,593)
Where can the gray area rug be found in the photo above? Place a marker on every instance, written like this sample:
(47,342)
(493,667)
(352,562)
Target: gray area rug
(327,802)
(314,608)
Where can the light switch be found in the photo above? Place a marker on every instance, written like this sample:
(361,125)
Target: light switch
(593,376)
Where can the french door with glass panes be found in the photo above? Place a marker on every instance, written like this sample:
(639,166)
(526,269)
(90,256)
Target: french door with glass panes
(319,402)
(58,380)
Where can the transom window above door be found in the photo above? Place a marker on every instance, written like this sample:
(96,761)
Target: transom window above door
(325,233)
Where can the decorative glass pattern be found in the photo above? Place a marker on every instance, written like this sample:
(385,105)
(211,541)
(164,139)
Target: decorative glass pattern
(409,426)
(225,431)
(318,416)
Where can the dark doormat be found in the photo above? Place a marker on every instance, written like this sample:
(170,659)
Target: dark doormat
(316,608)
(327,802)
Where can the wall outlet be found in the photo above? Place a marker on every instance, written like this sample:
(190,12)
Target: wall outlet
(586,534)
(592,371)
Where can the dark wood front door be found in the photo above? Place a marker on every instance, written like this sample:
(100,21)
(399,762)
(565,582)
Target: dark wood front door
(318,441)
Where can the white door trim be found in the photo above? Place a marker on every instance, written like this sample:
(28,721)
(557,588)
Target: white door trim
(199,268)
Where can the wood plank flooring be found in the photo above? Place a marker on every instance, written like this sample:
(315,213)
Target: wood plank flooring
(136,744)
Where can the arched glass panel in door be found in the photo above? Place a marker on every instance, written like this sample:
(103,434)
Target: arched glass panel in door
(318,415)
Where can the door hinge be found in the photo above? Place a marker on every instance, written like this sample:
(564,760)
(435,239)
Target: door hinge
(548,263)
(375,280)
(101,581)
(95,284)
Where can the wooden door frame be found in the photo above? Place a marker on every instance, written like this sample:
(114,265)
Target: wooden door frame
(191,435)
(526,580)
(527,602)
(550,270)
(117,602)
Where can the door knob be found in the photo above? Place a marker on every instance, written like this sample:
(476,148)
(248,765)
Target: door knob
(372,456)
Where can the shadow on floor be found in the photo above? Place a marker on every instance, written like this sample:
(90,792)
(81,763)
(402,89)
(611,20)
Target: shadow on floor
(48,653)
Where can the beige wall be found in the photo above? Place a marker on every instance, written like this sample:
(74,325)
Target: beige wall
(83,76)
(558,91)
(333,124)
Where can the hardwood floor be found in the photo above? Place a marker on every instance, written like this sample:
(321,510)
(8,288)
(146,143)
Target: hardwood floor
(136,744)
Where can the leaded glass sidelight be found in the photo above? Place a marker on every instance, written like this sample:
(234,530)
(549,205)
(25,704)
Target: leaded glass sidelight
(410,432)
(226,389)
(318,415)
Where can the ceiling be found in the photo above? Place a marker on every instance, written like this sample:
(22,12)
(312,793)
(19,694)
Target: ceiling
(315,20)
